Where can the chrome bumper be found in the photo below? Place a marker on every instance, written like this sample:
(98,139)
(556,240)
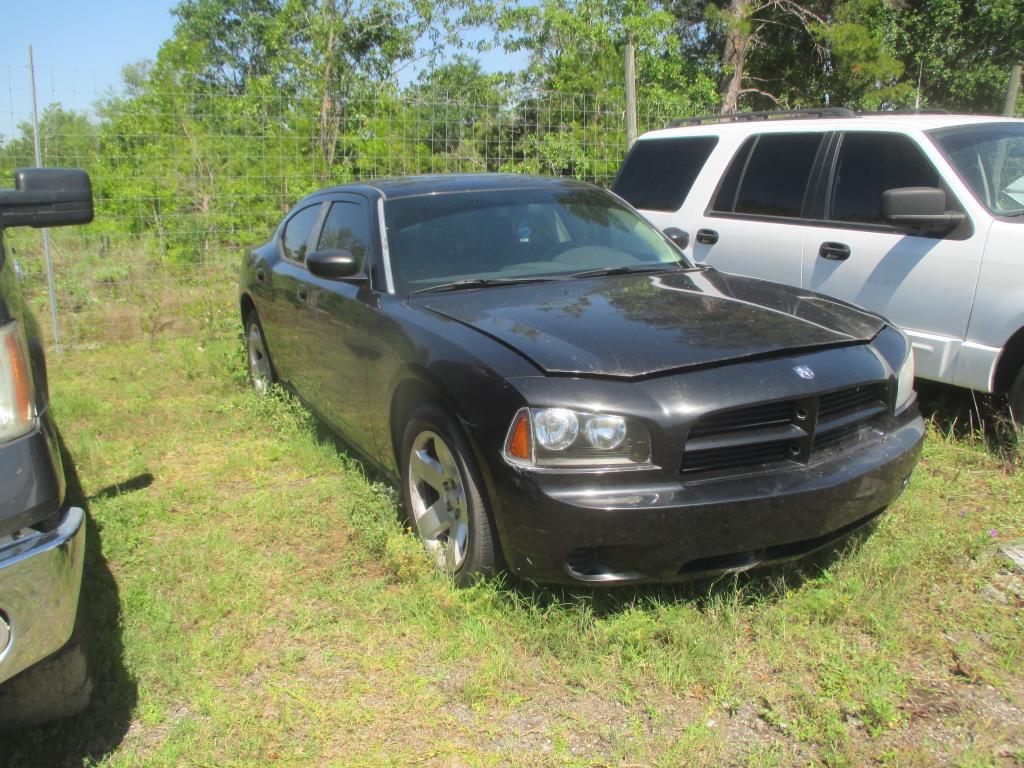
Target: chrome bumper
(40,578)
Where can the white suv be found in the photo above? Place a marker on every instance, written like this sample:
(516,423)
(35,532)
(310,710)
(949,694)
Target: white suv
(918,217)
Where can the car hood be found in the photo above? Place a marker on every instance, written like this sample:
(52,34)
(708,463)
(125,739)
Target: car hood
(641,324)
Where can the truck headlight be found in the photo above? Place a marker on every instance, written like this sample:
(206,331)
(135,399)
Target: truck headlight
(561,438)
(905,381)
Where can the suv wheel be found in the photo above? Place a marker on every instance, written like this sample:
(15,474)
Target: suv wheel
(1016,398)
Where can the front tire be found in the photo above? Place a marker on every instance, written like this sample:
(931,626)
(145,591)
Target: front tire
(52,689)
(444,497)
(1016,398)
(261,369)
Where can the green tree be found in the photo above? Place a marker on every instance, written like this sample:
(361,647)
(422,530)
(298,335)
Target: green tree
(961,50)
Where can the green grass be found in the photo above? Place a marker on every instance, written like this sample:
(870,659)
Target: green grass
(252,598)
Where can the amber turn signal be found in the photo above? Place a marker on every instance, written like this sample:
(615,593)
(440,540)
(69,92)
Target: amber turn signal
(519,439)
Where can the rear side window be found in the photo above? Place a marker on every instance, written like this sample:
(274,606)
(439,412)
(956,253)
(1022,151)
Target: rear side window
(769,175)
(869,164)
(658,173)
(297,231)
(347,228)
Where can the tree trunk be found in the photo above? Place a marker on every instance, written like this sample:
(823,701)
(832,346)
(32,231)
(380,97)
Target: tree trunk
(328,138)
(737,40)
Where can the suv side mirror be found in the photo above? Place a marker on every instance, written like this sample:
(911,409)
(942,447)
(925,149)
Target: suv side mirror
(678,236)
(47,197)
(333,264)
(919,208)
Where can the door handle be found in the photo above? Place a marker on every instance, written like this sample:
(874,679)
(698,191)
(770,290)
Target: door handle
(302,293)
(834,251)
(707,236)
(261,275)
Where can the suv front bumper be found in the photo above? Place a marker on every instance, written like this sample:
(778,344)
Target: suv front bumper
(40,580)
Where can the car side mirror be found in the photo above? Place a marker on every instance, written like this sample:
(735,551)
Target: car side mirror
(920,209)
(678,236)
(47,197)
(333,264)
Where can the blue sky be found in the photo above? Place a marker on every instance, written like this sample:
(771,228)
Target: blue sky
(80,48)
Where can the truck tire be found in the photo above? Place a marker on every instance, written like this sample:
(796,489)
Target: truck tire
(54,688)
(1016,398)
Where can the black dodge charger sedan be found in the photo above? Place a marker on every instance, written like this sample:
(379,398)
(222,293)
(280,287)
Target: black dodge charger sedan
(560,393)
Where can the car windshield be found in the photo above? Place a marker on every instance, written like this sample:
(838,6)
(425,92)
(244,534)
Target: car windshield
(512,235)
(990,159)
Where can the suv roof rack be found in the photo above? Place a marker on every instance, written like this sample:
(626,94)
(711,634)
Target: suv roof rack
(931,111)
(772,114)
(792,114)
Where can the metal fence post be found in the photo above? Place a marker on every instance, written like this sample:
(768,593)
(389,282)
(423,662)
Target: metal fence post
(46,233)
(630,67)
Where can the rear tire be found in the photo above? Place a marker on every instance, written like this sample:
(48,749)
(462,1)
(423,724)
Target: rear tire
(56,687)
(444,497)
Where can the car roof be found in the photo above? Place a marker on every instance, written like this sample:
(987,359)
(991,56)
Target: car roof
(447,183)
(894,121)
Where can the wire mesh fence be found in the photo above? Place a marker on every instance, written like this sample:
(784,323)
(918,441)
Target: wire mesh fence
(183,182)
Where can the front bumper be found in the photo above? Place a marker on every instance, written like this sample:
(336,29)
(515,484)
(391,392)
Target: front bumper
(40,580)
(646,530)
(31,479)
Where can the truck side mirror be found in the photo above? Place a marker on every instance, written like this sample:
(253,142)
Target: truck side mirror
(47,197)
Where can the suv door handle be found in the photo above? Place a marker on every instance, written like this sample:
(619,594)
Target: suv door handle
(834,251)
(302,293)
(707,236)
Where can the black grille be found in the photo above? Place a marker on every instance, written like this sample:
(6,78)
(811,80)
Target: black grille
(736,456)
(784,431)
(836,437)
(752,417)
(833,403)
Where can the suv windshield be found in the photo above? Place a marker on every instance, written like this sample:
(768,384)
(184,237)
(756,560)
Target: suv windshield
(990,158)
(515,235)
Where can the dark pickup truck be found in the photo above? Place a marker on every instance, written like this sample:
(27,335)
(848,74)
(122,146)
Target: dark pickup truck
(43,674)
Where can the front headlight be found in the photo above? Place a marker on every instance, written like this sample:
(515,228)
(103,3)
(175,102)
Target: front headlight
(560,438)
(905,381)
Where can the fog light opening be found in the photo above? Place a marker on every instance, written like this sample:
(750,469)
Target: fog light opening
(794,450)
(583,562)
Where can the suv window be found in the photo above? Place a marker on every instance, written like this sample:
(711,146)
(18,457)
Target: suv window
(658,173)
(769,175)
(297,231)
(347,228)
(869,164)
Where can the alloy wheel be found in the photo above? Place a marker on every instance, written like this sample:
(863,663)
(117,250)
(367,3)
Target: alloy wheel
(259,363)
(438,497)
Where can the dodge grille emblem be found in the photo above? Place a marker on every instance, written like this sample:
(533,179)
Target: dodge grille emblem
(804,372)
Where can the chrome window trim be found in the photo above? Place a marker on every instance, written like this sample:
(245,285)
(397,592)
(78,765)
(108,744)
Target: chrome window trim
(385,252)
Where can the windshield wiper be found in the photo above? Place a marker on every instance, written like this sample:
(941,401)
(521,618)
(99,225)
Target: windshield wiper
(481,282)
(627,269)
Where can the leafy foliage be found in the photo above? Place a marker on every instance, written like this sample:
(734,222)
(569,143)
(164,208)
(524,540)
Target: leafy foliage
(253,103)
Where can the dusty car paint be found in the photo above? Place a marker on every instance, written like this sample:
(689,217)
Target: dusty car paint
(668,348)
